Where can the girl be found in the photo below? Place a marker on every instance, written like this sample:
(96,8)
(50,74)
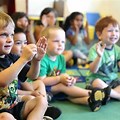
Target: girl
(77,36)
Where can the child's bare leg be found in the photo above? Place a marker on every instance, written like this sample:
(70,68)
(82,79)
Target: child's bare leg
(39,86)
(6,116)
(72,91)
(82,100)
(27,97)
(115,93)
(35,108)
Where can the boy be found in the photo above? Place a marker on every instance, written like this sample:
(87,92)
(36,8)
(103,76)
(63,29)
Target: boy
(13,68)
(56,80)
(104,58)
(29,90)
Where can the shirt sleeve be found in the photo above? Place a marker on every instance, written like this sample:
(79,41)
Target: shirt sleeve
(43,68)
(22,75)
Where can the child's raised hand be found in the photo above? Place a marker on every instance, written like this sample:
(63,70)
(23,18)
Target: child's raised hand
(44,20)
(41,48)
(28,52)
(100,48)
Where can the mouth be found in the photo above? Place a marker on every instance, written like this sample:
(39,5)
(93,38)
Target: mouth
(59,49)
(113,39)
(8,46)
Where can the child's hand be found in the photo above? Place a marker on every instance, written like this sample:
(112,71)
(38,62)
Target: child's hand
(100,48)
(67,80)
(77,28)
(28,52)
(44,20)
(41,48)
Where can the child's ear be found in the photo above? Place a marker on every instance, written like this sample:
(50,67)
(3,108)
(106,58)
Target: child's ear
(98,35)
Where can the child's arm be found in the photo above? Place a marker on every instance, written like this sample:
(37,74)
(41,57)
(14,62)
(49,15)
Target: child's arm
(73,38)
(10,73)
(63,78)
(50,80)
(86,38)
(41,50)
(94,66)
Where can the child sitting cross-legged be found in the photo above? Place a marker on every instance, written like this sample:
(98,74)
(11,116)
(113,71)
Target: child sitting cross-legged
(12,68)
(29,90)
(60,84)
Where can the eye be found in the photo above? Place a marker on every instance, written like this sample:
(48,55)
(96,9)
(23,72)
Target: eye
(4,35)
(18,42)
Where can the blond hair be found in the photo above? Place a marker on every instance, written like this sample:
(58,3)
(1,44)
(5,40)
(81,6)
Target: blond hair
(5,20)
(46,31)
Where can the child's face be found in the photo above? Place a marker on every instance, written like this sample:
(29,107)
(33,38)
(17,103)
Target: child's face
(51,19)
(56,42)
(22,23)
(78,21)
(110,35)
(6,40)
(19,42)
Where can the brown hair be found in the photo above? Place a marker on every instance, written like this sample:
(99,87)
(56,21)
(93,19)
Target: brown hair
(104,22)
(5,20)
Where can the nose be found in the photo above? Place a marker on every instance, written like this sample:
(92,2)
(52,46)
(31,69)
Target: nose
(113,32)
(10,39)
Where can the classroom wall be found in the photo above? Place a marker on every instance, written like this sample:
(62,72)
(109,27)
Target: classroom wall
(104,7)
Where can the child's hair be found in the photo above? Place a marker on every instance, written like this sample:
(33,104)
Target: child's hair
(17,15)
(71,18)
(46,31)
(18,30)
(47,11)
(104,22)
(5,20)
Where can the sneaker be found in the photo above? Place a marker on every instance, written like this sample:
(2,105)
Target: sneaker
(89,87)
(49,96)
(114,83)
(95,99)
(53,112)
(47,118)
(94,106)
(107,91)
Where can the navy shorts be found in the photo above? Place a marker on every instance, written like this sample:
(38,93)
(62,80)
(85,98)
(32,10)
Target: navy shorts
(15,111)
(58,96)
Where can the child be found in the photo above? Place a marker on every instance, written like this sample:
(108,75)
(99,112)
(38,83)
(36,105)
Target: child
(28,90)
(77,36)
(56,80)
(104,57)
(13,68)
(22,22)
(48,17)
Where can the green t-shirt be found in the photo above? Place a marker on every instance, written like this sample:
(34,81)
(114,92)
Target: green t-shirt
(108,68)
(52,68)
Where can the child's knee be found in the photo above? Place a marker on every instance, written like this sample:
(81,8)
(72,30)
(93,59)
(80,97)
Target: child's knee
(6,116)
(41,100)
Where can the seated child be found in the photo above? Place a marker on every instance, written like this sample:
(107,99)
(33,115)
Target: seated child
(13,68)
(29,90)
(104,58)
(60,84)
